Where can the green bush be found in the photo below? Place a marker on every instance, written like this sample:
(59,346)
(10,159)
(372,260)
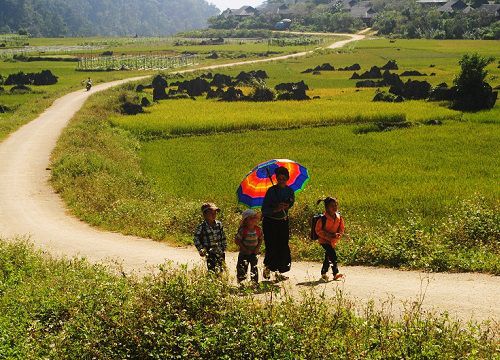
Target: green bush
(473,92)
(69,309)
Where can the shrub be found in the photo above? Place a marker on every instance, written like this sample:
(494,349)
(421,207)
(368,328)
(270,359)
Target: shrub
(261,92)
(69,309)
(474,224)
(473,93)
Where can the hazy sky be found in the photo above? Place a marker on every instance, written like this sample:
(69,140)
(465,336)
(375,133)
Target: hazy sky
(234,4)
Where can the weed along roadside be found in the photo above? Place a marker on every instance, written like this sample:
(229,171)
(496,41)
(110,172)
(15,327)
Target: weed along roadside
(72,309)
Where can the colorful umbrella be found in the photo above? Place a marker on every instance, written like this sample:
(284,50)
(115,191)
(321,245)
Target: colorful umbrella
(254,186)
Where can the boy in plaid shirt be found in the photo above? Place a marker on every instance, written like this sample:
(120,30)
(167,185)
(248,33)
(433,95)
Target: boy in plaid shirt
(210,239)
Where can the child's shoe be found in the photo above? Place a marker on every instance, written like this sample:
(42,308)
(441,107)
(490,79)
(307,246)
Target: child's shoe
(338,277)
(266,273)
(324,278)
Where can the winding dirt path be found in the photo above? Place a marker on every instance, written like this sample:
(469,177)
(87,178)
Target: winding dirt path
(29,206)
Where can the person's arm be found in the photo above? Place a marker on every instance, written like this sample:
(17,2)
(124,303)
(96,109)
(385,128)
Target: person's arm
(237,239)
(261,239)
(340,232)
(198,239)
(223,237)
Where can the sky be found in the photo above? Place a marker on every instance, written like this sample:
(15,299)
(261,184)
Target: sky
(234,4)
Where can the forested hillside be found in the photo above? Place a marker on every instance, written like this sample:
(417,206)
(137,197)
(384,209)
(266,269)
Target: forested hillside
(52,18)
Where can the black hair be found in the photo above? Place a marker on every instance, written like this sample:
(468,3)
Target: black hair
(327,201)
(282,171)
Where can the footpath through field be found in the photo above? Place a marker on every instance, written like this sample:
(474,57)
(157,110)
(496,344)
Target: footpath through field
(29,206)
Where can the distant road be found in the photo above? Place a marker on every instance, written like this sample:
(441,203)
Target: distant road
(335,45)
(29,206)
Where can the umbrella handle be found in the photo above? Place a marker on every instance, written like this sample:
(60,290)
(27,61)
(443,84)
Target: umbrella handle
(269,176)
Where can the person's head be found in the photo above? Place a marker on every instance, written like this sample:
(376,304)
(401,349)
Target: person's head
(209,211)
(331,205)
(249,218)
(282,176)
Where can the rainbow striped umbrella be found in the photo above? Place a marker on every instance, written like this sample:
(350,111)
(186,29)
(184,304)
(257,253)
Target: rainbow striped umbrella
(254,186)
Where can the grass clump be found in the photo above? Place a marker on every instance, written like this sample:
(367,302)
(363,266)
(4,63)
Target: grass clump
(69,309)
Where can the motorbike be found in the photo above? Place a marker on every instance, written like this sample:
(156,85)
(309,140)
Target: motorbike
(88,86)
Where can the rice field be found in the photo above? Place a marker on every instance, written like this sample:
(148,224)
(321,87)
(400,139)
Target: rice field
(424,170)
(185,117)
(405,193)
(388,172)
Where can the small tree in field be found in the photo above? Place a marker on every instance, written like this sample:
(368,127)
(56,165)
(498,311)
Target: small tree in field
(472,92)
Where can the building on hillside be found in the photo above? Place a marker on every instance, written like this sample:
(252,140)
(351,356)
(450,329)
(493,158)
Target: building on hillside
(242,12)
(453,6)
(436,3)
(491,9)
(281,9)
(345,4)
(364,11)
(468,9)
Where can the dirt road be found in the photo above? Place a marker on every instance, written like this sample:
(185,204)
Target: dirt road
(29,206)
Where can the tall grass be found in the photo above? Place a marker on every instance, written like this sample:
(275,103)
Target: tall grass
(69,309)
(186,117)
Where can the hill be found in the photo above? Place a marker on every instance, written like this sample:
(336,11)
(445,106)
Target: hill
(431,19)
(54,18)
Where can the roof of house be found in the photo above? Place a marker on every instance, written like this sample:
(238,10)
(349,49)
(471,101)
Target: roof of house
(432,2)
(490,8)
(452,6)
(242,11)
(362,12)
(468,9)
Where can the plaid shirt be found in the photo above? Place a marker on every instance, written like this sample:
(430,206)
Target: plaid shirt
(207,237)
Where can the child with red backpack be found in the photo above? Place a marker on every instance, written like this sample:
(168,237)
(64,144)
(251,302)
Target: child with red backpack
(328,229)
(249,240)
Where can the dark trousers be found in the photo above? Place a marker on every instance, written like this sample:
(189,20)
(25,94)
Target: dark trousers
(276,238)
(215,261)
(242,267)
(330,259)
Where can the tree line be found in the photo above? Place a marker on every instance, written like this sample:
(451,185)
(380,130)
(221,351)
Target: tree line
(55,18)
(403,19)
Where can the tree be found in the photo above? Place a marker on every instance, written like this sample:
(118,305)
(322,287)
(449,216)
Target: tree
(472,92)
(104,17)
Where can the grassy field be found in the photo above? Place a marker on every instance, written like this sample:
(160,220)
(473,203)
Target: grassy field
(231,48)
(26,107)
(185,117)
(377,175)
(403,192)
(69,309)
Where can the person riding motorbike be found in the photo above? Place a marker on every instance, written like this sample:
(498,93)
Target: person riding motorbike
(88,84)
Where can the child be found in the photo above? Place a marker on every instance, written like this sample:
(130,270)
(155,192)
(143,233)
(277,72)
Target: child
(249,240)
(210,239)
(330,229)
